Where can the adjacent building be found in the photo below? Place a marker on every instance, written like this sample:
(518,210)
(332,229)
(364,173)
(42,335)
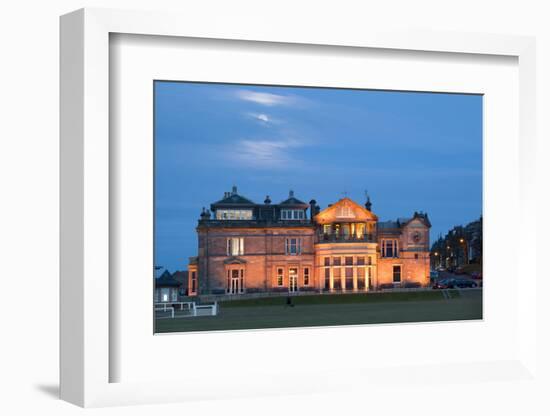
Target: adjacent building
(293,246)
(166,288)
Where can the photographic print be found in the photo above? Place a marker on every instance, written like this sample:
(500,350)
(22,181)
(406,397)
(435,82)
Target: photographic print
(289,206)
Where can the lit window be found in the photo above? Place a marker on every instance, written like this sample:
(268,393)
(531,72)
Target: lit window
(233,214)
(235,246)
(292,214)
(280,276)
(293,246)
(306,276)
(345,212)
(193,282)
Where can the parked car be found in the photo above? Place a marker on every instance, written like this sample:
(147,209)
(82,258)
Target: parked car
(441,269)
(444,284)
(476,275)
(452,283)
(463,283)
(460,270)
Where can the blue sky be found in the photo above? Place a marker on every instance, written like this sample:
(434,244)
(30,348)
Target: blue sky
(411,151)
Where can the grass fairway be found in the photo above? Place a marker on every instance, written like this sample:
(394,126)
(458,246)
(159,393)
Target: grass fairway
(323,310)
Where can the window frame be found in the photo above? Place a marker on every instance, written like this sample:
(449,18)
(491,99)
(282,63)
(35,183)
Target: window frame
(306,276)
(400,273)
(297,245)
(280,274)
(225,214)
(230,246)
(288,214)
(394,243)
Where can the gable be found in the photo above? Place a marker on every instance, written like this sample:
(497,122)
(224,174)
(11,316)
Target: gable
(415,223)
(418,221)
(345,210)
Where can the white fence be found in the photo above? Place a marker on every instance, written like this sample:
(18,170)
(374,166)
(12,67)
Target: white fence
(187,309)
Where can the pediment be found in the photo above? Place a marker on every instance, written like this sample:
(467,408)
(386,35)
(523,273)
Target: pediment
(345,210)
(234,260)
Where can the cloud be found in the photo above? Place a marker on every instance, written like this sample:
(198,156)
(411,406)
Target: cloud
(263,118)
(265,154)
(266,99)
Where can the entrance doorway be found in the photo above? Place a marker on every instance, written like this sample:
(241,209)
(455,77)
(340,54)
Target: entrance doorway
(293,279)
(235,282)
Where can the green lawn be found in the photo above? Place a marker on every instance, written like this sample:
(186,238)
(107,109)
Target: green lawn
(322,310)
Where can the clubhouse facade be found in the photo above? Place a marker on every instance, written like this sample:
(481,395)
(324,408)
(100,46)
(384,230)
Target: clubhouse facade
(293,246)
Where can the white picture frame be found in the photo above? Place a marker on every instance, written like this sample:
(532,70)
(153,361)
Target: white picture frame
(86,263)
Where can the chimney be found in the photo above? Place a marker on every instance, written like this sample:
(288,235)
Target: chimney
(291,194)
(312,204)
(234,190)
(267,200)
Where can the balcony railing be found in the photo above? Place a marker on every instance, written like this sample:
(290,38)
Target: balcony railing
(343,238)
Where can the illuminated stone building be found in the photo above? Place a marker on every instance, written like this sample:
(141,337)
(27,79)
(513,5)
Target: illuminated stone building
(293,246)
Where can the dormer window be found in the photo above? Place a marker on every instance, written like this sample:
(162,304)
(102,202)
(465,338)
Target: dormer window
(292,214)
(234,214)
(345,212)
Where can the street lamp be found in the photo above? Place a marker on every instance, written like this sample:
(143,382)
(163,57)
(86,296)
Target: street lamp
(463,241)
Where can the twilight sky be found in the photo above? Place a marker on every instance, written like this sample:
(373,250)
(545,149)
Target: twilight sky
(411,151)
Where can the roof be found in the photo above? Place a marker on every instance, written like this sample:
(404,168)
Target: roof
(388,224)
(234,199)
(166,280)
(402,221)
(345,210)
(180,276)
(421,216)
(292,200)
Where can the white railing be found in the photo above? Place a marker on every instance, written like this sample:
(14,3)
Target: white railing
(192,307)
(213,307)
(166,309)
